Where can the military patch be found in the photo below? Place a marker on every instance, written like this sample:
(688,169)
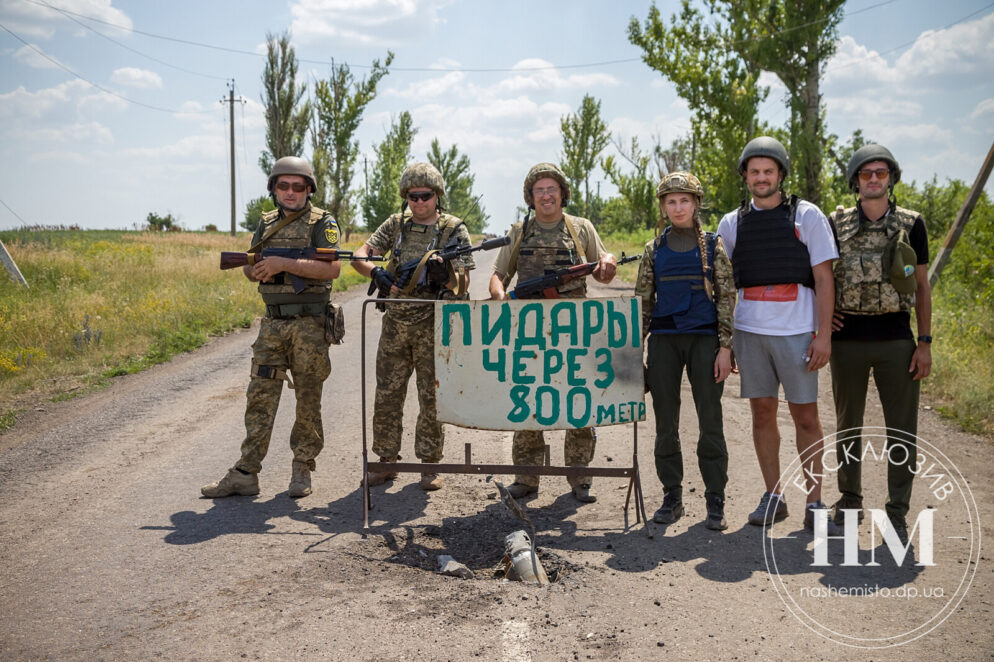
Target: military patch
(331,234)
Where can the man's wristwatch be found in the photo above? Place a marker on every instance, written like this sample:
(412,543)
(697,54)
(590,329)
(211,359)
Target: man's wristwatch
(925,338)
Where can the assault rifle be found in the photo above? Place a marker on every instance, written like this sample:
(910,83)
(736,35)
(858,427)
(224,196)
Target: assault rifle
(231,260)
(451,251)
(546,287)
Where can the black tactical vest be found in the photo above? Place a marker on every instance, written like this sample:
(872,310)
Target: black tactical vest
(767,250)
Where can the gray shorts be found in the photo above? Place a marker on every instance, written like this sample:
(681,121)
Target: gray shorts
(765,362)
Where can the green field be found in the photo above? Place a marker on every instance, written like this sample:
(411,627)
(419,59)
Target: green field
(106,303)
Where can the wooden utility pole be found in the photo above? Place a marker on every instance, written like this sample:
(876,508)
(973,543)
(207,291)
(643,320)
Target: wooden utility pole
(961,218)
(231,126)
(12,269)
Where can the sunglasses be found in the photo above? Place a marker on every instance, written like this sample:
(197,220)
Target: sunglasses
(296,186)
(865,175)
(423,197)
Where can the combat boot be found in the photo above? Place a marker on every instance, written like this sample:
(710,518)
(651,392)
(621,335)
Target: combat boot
(583,494)
(430,481)
(234,482)
(380,477)
(300,481)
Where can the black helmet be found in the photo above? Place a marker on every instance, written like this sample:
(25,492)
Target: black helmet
(768,147)
(292,165)
(868,154)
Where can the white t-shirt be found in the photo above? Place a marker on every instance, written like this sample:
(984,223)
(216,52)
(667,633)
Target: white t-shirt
(783,310)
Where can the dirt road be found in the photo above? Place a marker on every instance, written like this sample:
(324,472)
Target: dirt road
(109,553)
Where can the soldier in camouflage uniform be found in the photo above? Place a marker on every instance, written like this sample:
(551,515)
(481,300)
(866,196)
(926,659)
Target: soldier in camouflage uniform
(293,336)
(407,337)
(552,240)
(688,300)
(882,273)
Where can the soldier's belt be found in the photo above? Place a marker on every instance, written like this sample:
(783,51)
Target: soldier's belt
(292,310)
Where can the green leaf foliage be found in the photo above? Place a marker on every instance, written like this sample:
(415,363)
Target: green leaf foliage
(459,180)
(585,136)
(338,108)
(254,211)
(392,156)
(286,117)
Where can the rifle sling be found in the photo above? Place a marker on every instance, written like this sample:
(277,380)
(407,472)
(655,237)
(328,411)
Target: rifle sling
(289,218)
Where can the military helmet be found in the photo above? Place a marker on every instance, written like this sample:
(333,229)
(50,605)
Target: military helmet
(541,171)
(868,154)
(292,165)
(680,182)
(421,175)
(768,147)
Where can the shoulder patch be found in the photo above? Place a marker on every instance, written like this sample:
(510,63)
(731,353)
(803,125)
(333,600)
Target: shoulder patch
(331,234)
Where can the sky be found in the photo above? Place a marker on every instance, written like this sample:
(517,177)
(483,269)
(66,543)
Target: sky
(112,109)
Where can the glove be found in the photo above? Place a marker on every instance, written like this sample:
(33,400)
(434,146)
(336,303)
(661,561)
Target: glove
(383,278)
(438,272)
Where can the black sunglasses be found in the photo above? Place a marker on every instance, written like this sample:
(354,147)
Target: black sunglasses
(423,197)
(296,186)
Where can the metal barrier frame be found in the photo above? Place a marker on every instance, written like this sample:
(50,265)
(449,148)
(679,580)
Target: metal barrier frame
(468,467)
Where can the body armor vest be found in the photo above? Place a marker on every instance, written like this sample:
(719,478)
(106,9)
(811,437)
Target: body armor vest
(544,250)
(862,272)
(682,303)
(295,234)
(412,242)
(767,250)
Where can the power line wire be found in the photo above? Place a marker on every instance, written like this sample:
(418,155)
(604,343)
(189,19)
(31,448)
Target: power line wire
(67,14)
(91,83)
(16,215)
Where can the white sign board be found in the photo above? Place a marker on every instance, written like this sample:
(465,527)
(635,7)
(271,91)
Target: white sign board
(546,364)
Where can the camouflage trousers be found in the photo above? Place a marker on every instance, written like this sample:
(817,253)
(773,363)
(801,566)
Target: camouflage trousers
(297,345)
(528,447)
(406,348)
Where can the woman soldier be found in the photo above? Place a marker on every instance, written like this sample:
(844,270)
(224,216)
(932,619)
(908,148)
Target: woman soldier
(688,297)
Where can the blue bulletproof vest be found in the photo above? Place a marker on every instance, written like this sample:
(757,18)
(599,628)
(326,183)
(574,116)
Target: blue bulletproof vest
(682,303)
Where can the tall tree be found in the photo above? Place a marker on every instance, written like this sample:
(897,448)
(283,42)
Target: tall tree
(585,136)
(286,117)
(339,104)
(637,186)
(459,181)
(792,39)
(392,156)
(721,91)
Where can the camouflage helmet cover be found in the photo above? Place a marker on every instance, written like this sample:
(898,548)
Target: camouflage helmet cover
(867,154)
(421,175)
(291,165)
(680,182)
(541,171)
(768,147)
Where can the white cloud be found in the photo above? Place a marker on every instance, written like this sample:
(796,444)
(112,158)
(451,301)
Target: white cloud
(59,157)
(921,134)
(983,108)
(364,22)
(21,104)
(36,20)
(140,78)
(536,75)
(74,133)
(31,57)
(962,49)
(191,147)
(430,88)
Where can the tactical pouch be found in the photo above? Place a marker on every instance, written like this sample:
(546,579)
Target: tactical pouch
(334,325)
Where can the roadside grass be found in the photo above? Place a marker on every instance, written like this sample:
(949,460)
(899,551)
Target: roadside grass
(961,385)
(107,303)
